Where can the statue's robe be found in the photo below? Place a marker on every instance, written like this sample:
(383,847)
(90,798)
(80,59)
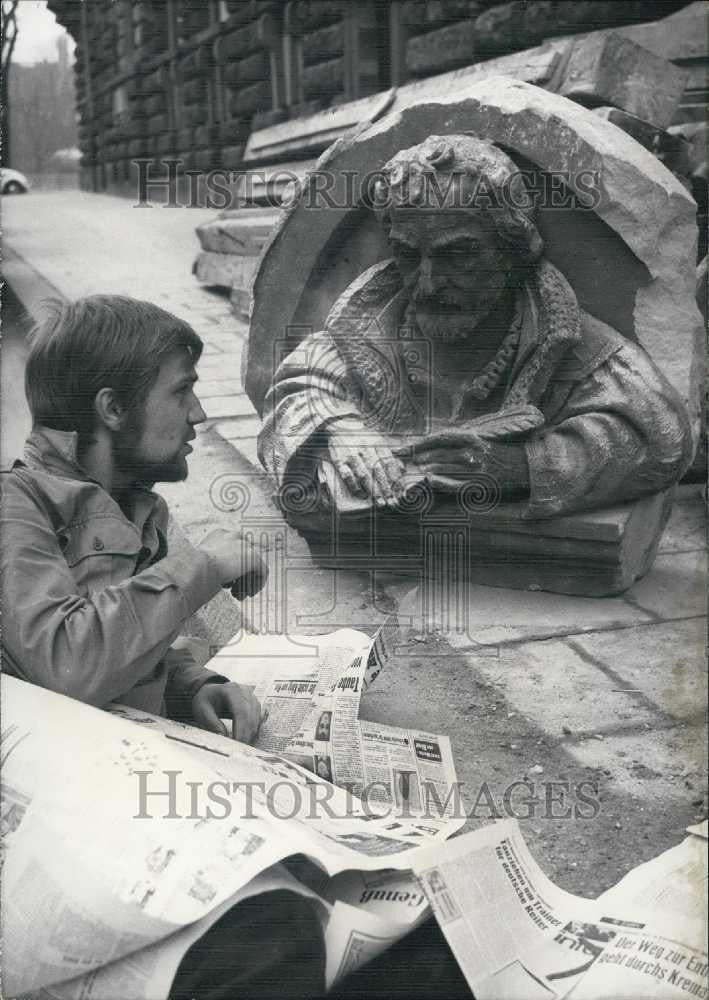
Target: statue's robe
(614,429)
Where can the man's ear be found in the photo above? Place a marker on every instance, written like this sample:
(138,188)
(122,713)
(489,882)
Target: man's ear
(108,410)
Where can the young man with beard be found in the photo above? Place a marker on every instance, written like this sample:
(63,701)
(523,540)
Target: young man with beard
(93,601)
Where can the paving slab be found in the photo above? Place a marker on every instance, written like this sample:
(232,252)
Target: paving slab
(551,684)
(228,405)
(665,662)
(226,364)
(216,386)
(471,615)
(686,530)
(675,587)
(663,767)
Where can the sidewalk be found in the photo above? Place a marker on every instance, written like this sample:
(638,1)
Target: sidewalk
(531,687)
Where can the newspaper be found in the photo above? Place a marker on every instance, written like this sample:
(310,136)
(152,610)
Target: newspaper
(149,973)
(674,883)
(370,913)
(123,828)
(517,936)
(311,716)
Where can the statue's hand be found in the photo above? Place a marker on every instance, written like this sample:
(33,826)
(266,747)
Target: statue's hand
(365,462)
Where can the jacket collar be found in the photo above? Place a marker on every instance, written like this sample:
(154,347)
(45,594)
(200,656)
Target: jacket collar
(56,452)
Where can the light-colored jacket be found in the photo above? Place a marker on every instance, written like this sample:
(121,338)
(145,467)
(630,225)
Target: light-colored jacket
(91,599)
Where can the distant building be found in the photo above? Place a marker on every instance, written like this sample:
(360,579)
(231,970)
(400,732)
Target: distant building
(42,111)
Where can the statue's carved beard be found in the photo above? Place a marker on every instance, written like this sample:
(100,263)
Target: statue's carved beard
(438,319)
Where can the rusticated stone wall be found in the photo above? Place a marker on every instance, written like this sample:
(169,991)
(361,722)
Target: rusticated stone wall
(193,79)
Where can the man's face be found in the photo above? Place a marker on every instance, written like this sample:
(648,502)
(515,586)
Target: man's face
(452,264)
(155,444)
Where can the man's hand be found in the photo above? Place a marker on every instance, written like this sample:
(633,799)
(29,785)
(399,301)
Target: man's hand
(241,567)
(367,469)
(214,702)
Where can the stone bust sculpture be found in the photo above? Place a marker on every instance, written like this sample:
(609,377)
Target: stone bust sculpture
(467,355)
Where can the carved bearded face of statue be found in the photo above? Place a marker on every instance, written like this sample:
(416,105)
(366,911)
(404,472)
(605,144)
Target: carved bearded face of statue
(453,266)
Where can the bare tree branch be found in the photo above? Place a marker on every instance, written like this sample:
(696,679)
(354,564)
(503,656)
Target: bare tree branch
(8,28)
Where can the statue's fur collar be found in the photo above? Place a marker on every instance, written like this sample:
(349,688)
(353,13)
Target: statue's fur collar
(556,339)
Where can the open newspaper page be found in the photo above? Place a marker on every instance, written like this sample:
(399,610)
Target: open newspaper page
(148,974)
(517,936)
(311,716)
(675,882)
(329,824)
(134,826)
(87,876)
(664,955)
(371,911)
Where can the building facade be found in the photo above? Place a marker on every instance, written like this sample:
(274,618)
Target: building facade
(195,79)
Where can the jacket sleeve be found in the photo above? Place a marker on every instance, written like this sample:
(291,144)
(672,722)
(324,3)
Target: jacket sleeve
(91,648)
(185,677)
(622,433)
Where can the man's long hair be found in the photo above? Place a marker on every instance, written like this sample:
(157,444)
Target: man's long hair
(102,341)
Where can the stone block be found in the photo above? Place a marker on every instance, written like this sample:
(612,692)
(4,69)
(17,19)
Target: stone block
(311,16)
(665,663)
(501,29)
(325,79)
(239,231)
(592,554)
(246,70)
(315,131)
(252,36)
(324,43)
(247,100)
(609,69)
(205,159)
(682,35)
(223,269)
(441,49)
(232,156)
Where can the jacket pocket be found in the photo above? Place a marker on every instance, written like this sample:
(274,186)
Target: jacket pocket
(100,552)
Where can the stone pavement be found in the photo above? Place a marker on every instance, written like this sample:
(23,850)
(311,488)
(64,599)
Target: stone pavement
(599,700)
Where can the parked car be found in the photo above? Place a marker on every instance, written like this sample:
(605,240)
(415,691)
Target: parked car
(13,182)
